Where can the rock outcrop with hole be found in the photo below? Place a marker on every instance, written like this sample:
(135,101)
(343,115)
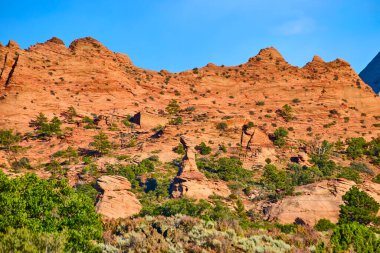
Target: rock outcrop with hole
(116,201)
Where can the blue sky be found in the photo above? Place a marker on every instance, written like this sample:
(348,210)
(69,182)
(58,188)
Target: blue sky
(181,34)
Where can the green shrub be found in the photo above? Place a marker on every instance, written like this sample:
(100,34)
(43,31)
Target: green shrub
(43,128)
(203,149)
(356,147)
(277,181)
(287,228)
(374,150)
(376,179)
(350,174)
(354,237)
(90,123)
(279,138)
(48,206)
(101,143)
(286,112)
(227,169)
(359,207)
(87,190)
(222,126)
(302,175)
(179,149)
(361,167)
(173,107)
(324,225)
(28,241)
(176,121)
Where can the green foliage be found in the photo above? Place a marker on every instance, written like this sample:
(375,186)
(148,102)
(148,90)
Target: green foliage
(132,171)
(8,140)
(70,114)
(177,206)
(9,143)
(179,149)
(374,150)
(87,190)
(187,234)
(277,181)
(48,206)
(279,138)
(324,225)
(71,154)
(101,143)
(28,241)
(350,174)
(359,207)
(222,126)
(286,112)
(321,158)
(376,179)
(90,123)
(361,167)
(287,228)
(203,149)
(173,107)
(227,169)
(44,128)
(23,163)
(356,147)
(176,121)
(301,175)
(354,237)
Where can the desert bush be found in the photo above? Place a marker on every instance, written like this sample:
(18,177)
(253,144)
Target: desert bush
(354,237)
(203,149)
(227,169)
(373,151)
(324,225)
(358,207)
(44,128)
(277,181)
(222,126)
(179,149)
(28,241)
(361,167)
(350,174)
(376,179)
(355,147)
(279,138)
(286,112)
(48,206)
(101,143)
(176,121)
(301,175)
(173,107)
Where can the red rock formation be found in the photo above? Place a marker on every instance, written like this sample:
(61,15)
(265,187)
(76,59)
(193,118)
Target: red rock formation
(190,182)
(116,200)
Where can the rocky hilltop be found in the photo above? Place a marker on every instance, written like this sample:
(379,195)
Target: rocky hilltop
(85,113)
(371,73)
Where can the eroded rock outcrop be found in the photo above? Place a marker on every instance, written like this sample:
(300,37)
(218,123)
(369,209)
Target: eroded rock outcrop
(116,201)
(192,183)
(317,201)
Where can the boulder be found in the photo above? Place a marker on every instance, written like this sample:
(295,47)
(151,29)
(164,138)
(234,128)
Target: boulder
(316,201)
(116,200)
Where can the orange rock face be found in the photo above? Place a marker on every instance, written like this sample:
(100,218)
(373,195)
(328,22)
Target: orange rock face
(317,201)
(116,201)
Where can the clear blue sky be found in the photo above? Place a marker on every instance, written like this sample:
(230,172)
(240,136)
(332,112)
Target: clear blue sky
(181,34)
